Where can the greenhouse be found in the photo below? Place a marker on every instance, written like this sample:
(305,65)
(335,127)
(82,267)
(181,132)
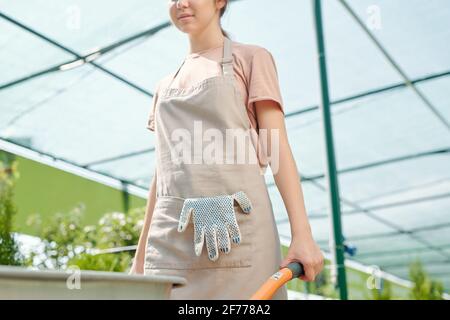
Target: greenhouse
(77,80)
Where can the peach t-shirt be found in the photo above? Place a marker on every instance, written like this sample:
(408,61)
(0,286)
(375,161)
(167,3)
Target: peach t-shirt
(254,69)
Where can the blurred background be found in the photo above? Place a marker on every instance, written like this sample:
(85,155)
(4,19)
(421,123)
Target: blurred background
(76,85)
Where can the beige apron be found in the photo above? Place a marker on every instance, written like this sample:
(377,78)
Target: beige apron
(214,103)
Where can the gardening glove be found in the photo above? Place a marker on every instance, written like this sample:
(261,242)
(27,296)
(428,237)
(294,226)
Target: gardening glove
(215,219)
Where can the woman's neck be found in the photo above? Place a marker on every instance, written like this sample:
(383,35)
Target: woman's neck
(205,42)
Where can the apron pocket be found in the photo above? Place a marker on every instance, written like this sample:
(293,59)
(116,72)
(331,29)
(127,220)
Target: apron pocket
(169,249)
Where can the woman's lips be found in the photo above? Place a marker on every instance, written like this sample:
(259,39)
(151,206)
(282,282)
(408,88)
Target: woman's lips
(185,17)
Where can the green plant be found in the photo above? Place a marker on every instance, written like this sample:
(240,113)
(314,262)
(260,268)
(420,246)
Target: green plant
(9,251)
(66,242)
(424,287)
(62,239)
(114,262)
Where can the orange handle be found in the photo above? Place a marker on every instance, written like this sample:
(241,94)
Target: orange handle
(267,290)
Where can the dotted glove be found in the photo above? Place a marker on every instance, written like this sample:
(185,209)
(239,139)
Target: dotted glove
(215,219)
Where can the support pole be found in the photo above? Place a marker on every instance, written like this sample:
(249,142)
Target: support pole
(336,239)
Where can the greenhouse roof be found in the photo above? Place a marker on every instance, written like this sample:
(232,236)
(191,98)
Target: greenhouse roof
(77,79)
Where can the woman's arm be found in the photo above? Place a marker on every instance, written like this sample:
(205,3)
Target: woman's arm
(303,248)
(139,258)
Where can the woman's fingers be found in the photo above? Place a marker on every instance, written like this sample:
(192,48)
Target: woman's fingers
(308,254)
(312,268)
(310,272)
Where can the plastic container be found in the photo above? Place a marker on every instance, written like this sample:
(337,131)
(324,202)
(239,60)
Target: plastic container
(23,283)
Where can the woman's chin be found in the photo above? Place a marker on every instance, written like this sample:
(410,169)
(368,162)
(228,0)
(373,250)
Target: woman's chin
(187,29)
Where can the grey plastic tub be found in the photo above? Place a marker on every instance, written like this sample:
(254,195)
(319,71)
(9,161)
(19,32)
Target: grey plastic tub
(23,283)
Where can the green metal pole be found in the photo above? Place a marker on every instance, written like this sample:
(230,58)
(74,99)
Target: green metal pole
(336,239)
(125,198)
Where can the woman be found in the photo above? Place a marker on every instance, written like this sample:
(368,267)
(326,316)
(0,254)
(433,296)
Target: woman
(222,85)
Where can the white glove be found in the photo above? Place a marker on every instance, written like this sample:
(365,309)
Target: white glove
(215,218)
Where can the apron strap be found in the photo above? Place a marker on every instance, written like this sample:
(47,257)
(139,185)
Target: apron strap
(227,59)
(173,78)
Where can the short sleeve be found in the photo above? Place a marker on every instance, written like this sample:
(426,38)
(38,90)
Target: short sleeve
(263,80)
(151,117)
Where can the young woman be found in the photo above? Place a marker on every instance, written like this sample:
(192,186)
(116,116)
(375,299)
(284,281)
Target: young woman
(222,85)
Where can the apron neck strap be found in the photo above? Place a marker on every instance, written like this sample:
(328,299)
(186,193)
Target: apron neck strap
(173,78)
(227,59)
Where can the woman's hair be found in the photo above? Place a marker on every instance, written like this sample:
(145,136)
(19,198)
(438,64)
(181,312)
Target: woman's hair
(222,11)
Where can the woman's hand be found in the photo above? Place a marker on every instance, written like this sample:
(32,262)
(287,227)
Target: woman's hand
(305,250)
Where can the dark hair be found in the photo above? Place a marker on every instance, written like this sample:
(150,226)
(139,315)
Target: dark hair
(222,11)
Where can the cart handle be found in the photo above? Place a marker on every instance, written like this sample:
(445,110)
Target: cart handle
(267,290)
